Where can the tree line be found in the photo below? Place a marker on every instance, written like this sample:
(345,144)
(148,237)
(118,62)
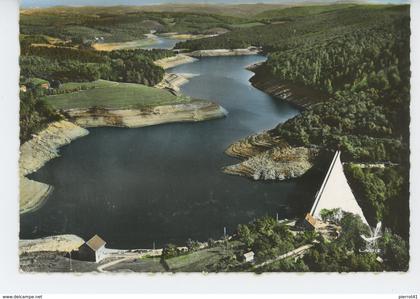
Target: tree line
(359,58)
(82,65)
(58,65)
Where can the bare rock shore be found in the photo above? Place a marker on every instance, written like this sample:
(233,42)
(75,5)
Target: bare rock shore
(44,145)
(266,157)
(35,153)
(299,96)
(195,110)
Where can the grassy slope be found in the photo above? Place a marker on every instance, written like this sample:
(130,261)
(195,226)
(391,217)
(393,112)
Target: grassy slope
(107,94)
(94,84)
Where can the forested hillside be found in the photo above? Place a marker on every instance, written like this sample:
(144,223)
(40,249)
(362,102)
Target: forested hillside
(57,65)
(359,57)
(70,64)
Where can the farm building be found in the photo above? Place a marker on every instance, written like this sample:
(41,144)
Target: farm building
(92,250)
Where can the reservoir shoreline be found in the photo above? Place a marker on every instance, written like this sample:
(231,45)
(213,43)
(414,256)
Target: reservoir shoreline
(108,117)
(35,153)
(44,146)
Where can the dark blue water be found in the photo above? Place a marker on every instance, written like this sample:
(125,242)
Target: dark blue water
(164,183)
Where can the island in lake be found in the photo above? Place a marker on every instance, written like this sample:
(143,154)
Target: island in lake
(215,138)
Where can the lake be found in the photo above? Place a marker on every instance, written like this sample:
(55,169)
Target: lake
(160,184)
(163,42)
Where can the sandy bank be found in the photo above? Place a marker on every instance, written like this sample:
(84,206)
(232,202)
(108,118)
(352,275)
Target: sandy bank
(35,153)
(224,52)
(60,243)
(196,110)
(32,194)
(135,44)
(173,61)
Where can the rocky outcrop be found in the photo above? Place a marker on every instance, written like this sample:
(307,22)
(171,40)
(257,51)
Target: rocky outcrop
(195,110)
(300,96)
(278,163)
(44,145)
(32,194)
(268,157)
(35,153)
(173,82)
(173,61)
(253,145)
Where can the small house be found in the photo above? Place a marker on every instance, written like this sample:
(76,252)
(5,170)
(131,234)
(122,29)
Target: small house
(249,256)
(23,88)
(92,250)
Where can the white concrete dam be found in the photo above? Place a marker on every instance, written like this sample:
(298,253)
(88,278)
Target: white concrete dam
(335,192)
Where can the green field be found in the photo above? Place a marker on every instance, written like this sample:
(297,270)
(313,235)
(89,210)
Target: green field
(146,264)
(108,94)
(69,86)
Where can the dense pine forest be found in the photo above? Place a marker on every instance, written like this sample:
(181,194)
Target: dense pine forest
(81,65)
(57,65)
(358,56)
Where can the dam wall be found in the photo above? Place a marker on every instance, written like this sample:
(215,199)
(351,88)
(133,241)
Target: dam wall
(335,192)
